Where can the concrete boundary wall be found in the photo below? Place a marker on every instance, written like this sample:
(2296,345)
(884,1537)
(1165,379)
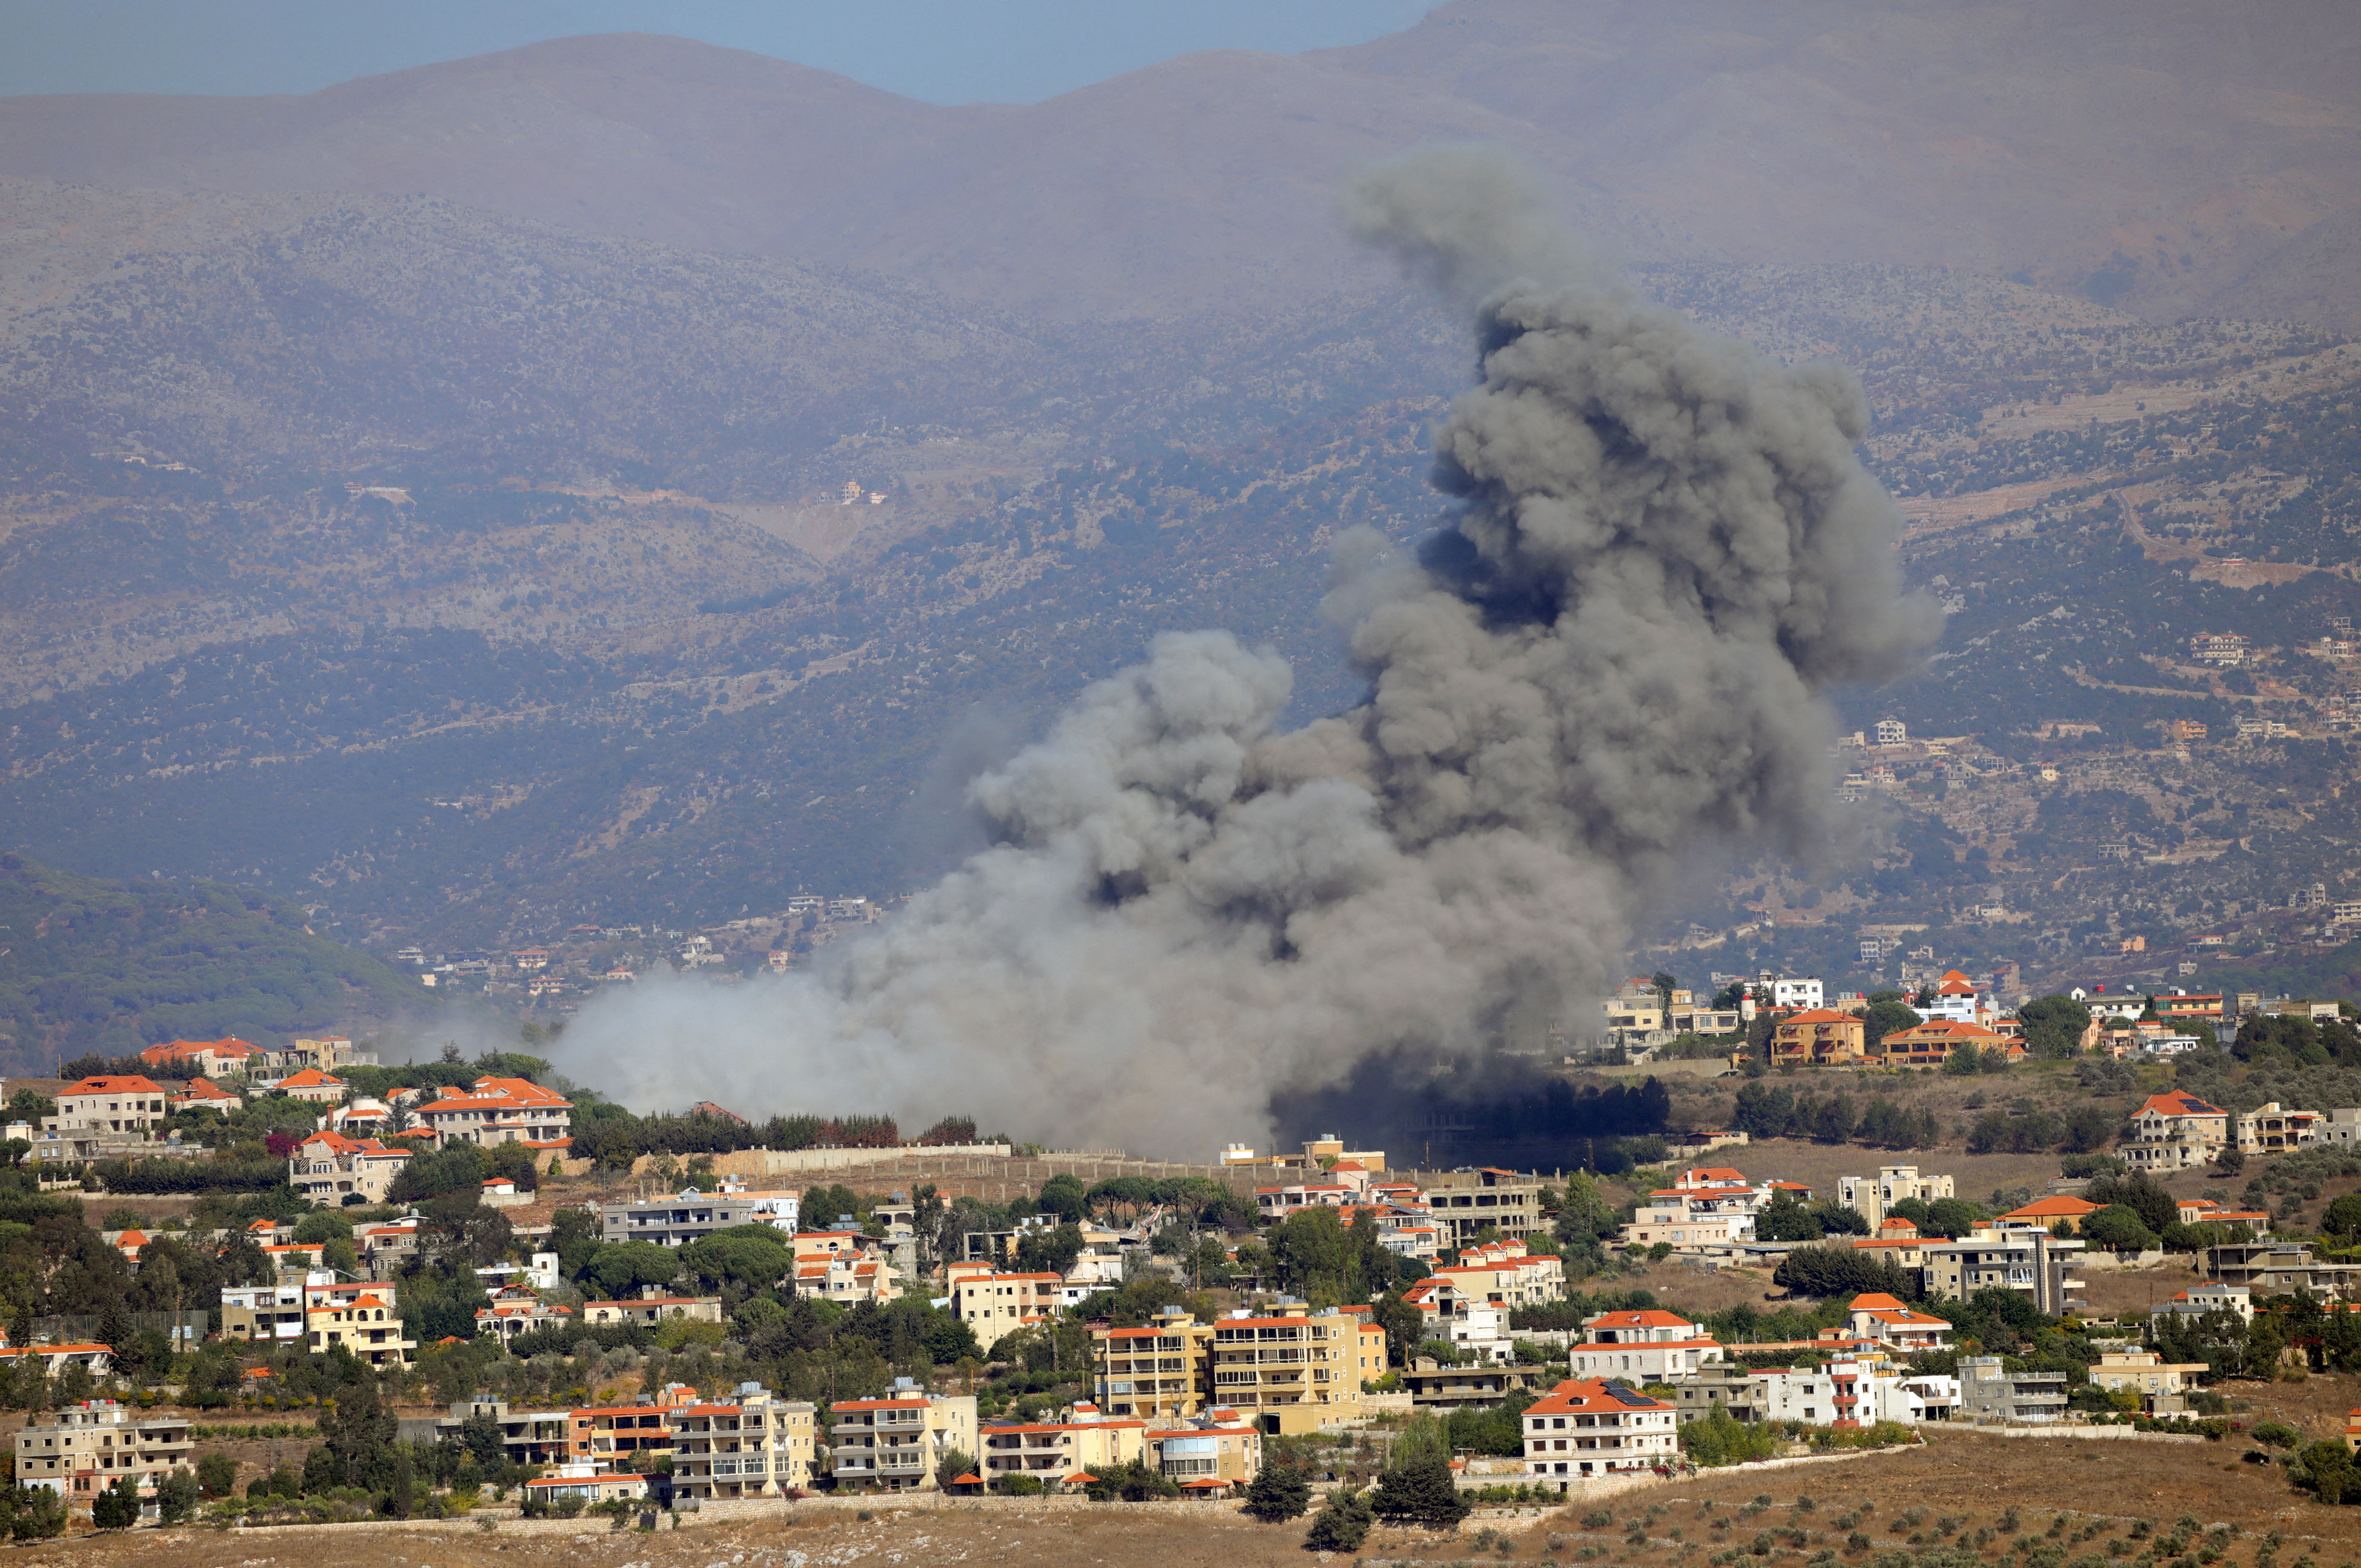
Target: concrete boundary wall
(988,1172)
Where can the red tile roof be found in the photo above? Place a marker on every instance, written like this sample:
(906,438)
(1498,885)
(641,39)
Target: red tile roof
(127,1085)
(1591,1395)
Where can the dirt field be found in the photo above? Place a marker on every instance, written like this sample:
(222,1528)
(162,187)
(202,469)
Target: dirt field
(1955,1489)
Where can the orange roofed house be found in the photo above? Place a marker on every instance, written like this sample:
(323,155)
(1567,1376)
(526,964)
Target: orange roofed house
(108,1105)
(204,1094)
(320,1088)
(1819,1037)
(2175,1132)
(333,1170)
(501,1110)
(1934,1042)
(203,1058)
(1649,1346)
(359,1317)
(1874,1315)
(1593,1428)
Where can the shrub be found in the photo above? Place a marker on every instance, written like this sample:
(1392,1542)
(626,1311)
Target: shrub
(1344,1524)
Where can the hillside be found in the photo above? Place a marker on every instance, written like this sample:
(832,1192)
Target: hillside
(609,631)
(2151,155)
(90,966)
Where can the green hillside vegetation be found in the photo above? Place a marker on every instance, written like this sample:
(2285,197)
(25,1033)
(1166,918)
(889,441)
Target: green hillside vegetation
(108,968)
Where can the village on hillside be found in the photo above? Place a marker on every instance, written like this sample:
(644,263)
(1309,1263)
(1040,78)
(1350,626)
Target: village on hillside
(300,1283)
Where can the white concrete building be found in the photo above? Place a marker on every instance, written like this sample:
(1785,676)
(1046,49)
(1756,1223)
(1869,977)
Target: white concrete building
(1594,1428)
(1857,1391)
(1872,1196)
(1647,1346)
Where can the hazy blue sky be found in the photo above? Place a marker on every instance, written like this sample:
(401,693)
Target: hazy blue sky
(946,51)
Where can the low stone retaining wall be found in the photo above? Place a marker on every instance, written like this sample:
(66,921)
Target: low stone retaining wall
(2076,1429)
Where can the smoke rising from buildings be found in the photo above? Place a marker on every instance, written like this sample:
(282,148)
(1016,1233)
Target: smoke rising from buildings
(1661,553)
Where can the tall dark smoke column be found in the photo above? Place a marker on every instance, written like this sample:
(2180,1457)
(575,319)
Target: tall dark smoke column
(1663,551)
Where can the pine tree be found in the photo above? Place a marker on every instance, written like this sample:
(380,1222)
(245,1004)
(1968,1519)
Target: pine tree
(1280,1492)
(1343,1525)
(116,1508)
(1419,1491)
(176,1497)
(321,1471)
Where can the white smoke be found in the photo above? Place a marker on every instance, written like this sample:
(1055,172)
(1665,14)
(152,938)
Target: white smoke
(1663,553)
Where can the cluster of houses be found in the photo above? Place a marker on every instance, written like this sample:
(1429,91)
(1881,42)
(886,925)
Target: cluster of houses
(1710,1211)
(1598,1423)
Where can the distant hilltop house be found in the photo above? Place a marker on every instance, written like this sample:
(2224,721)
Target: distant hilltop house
(2224,648)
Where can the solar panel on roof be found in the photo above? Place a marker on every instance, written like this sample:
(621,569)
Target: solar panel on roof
(1622,1396)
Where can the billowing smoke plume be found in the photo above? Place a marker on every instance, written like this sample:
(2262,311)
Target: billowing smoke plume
(1661,551)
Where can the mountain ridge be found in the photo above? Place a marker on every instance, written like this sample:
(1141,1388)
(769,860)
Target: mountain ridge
(2150,155)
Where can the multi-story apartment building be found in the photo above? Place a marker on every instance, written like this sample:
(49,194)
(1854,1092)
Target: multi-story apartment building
(518,1309)
(1278,1202)
(755,1444)
(2034,1264)
(1737,1389)
(119,1105)
(331,1169)
(1216,1446)
(1872,1196)
(2162,1386)
(895,1443)
(1504,1274)
(527,1437)
(501,1110)
(2267,1129)
(267,1315)
(1856,1389)
(2211,1297)
(1935,1042)
(627,1437)
(691,1215)
(2281,1269)
(1707,1207)
(1638,1347)
(1987,1392)
(652,1308)
(1467,1202)
(993,1304)
(361,1321)
(1292,1374)
(1593,1428)
(1054,1451)
(383,1248)
(1954,998)
(847,1278)
(1875,1315)
(1818,1036)
(2175,1132)
(1157,1372)
(89,1446)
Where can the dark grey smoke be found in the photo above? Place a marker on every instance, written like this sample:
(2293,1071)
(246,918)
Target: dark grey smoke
(1663,552)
